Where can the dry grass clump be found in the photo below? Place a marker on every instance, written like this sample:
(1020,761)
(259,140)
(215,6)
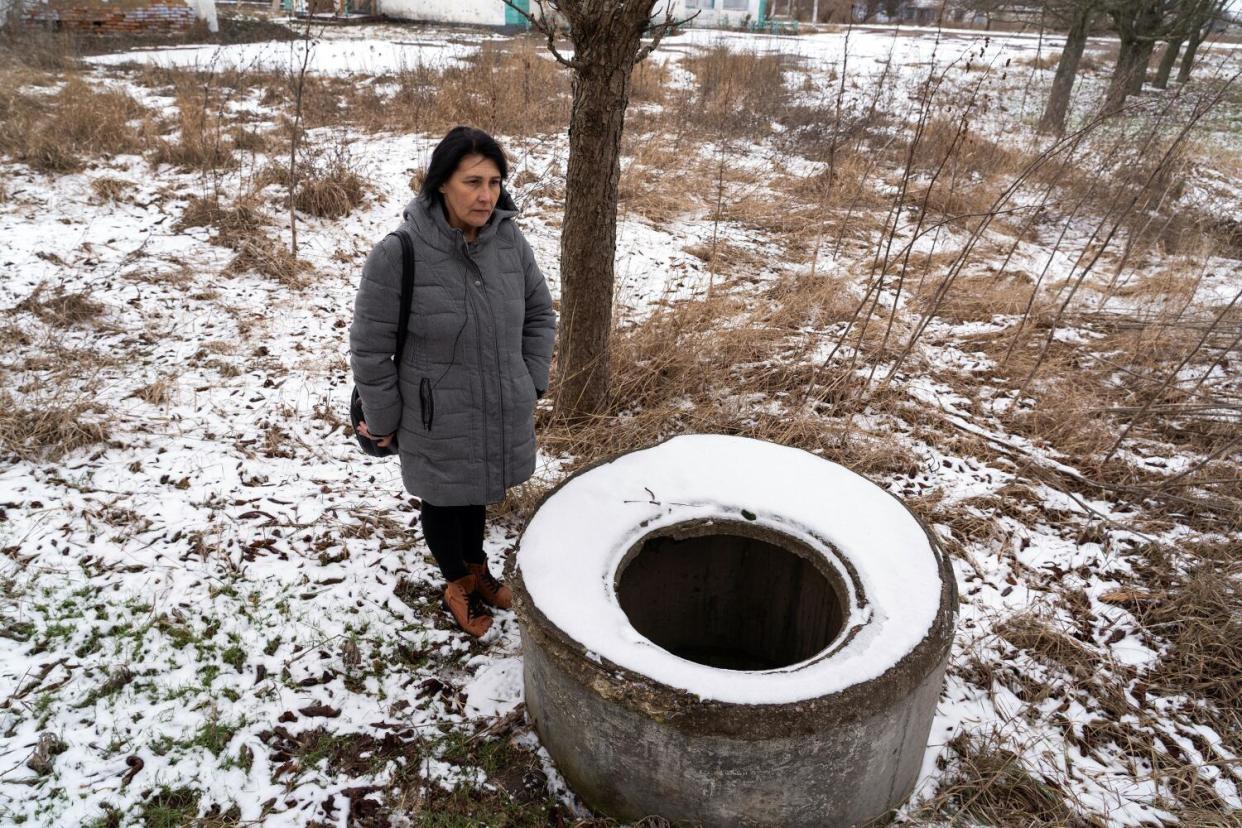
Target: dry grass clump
(738,93)
(512,89)
(650,81)
(158,392)
(61,308)
(108,189)
(645,187)
(259,254)
(714,366)
(332,189)
(962,151)
(250,140)
(45,429)
(36,47)
(53,133)
(800,302)
(202,141)
(1068,415)
(1039,638)
(1042,62)
(989,784)
(977,297)
(233,223)
(1192,601)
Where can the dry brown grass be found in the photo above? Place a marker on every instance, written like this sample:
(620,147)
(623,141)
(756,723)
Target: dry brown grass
(650,82)
(233,223)
(507,89)
(976,298)
(989,783)
(44,428)
(644,187)
(965,148)
(799,302)
(1193,600)
(110,190)
(54,133)
(37,48)
(202,140)
(252,140)
(330,189)
(1042,62)
(1067,416)
(259,254)
(61,308)
(1038,637)
(739,94)
(724,365)
(159,392)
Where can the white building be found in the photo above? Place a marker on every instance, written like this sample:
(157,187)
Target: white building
(722,14)
(712,13)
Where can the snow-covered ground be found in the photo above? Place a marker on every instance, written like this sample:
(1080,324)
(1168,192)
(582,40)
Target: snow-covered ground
(224,573)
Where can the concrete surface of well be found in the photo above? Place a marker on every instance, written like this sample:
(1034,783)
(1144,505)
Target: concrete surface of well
(733,596)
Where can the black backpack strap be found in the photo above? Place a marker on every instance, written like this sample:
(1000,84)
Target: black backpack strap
(407,290)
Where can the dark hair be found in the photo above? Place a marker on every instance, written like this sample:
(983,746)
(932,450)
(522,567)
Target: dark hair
(460,142)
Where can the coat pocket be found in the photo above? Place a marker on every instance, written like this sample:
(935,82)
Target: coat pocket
(426,402)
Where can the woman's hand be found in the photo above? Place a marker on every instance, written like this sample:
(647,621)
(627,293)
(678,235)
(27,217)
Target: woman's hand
(382,442)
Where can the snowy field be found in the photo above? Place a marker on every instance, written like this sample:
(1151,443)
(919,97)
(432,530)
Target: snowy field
(214,606)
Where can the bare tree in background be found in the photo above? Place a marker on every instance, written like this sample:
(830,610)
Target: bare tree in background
(1080,16)
(1140,24)
(1197,33)
(607,37)
(1191,26)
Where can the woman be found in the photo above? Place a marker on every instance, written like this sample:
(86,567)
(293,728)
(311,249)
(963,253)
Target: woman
(475,360)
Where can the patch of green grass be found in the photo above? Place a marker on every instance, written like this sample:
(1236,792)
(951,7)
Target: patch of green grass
(58,630)
(170,808)
(272,646)
(92,644)
(17,630)
(213,736)
(180,635)
(162,744)
(235,657)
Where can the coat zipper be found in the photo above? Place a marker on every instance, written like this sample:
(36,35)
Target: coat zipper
(504,459)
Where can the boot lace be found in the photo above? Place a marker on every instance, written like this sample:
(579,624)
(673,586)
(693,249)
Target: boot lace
(475,608)
(489,581)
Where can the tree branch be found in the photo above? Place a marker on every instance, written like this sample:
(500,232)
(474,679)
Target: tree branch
(659,30)
(542,26)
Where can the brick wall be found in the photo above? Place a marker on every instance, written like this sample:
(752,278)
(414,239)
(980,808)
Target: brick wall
(112,17)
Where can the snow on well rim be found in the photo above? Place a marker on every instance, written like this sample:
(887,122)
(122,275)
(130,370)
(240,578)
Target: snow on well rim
(572,547)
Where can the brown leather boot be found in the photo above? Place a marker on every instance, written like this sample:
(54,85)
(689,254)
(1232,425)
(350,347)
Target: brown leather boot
(490,590)
(466,606)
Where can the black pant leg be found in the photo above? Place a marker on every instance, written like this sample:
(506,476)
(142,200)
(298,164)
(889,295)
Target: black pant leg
(472,524)
(442,531)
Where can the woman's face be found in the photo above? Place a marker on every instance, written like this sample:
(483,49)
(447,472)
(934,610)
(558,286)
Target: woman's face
(471,193)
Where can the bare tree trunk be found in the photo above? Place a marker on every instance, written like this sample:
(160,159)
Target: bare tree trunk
(1055,110)
(589,236)
(1171,50)
(1121,85)
(1188,59)
(1138,72)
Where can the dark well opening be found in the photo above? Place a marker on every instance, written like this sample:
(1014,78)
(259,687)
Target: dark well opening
(732,597)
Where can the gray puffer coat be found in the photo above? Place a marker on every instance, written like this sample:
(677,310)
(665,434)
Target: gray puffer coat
(476,356)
